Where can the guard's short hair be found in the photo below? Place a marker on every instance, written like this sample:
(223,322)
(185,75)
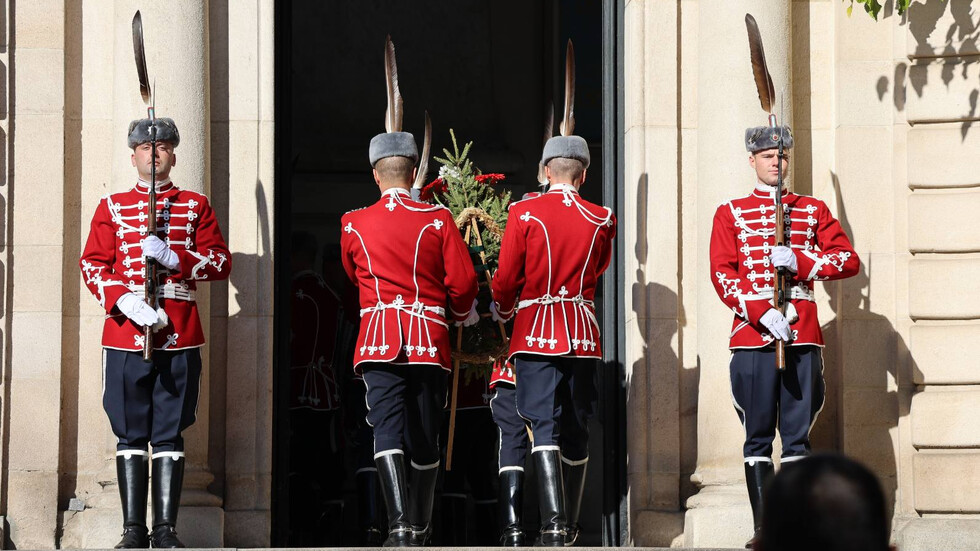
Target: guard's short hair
(824,502)
(563,168)
(395,169)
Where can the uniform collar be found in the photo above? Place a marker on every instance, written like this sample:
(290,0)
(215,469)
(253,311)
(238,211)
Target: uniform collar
(143,186)
(563,188)
(396,191)
(765,191)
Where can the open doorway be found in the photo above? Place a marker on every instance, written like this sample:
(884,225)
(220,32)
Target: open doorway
(485,68)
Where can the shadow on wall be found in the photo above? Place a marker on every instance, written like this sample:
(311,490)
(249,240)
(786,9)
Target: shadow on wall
(865,374)
(961,39)
(662,399)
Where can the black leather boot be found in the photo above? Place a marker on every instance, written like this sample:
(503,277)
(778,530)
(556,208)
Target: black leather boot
(757,477)
(132,472)
(574,488)
(367,509)
(391,473)
(422,493)
(551,498)
(452,533)
(511,508)
(168,478)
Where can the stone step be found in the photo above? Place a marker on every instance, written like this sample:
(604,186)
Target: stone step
(451,549)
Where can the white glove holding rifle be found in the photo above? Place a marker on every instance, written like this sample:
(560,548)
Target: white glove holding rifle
(157,249)
(784,257)
(137,310)
(777,324)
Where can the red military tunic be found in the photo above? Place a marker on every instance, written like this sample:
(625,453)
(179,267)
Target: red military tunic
(555,247)
(317,318)
(503,372)
(407,259)
(112,262)
(742,237)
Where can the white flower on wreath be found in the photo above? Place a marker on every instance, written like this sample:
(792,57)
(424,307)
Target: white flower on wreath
(449,172)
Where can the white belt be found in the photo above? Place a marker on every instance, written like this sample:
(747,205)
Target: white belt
(415,309)
(548,299)
(167,290)
(793,292)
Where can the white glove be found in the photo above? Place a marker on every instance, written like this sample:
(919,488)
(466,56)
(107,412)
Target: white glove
(137,310)
(495,314)
(154,247)
(472,318)
(777,324)
(783,257)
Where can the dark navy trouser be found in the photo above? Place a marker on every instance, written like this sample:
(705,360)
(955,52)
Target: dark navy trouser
(151,402)
(763,398)
(557,396)
(405,405)
(511,428)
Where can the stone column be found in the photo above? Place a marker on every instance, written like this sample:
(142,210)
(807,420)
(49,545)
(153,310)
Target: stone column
(719,515)
(32,389)
(650,229)
(941,451)
(242,95)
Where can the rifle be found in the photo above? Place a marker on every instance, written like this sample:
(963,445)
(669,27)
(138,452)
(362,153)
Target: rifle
(779,285)
(767,93)
(149,266)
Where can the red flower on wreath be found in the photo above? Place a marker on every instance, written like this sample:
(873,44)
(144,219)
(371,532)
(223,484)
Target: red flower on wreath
(490,179)
(435,186)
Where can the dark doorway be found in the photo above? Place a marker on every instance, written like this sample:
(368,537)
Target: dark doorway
(487,69)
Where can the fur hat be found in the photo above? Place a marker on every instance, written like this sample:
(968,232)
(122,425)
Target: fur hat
(139,131)
(759,138)
(569,147)
(393,144)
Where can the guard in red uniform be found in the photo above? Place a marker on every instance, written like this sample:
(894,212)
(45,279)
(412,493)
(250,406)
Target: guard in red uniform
(744,260)
(554,249)
(414,276)
(316,442)
(151,403)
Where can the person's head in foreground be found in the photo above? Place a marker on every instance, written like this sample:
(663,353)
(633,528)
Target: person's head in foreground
(824,503)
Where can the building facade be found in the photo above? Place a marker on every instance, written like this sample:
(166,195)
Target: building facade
(884,115)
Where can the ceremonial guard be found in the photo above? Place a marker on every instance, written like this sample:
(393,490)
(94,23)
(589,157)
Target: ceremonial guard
(511,455)
(414,275)
(318,330)
(149,403)
(749,265)
(554,249)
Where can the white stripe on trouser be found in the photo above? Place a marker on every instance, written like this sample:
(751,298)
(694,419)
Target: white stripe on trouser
(823,400)
(785,460)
